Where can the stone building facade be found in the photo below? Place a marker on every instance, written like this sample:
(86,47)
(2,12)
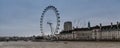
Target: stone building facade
(108,32)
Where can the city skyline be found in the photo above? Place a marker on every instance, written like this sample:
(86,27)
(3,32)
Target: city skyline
(22,17)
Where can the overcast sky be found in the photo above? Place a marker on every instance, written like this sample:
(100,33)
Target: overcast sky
(22,17)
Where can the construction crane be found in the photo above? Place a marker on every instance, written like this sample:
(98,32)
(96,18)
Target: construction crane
(50,24)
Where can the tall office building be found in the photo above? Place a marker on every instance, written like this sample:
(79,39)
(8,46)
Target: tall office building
(67,26)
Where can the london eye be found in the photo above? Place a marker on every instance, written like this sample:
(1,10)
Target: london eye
(57,20)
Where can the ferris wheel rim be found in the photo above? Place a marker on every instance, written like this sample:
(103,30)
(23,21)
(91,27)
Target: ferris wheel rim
(57,18)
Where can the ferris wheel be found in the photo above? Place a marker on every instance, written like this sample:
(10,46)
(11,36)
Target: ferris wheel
(56,28)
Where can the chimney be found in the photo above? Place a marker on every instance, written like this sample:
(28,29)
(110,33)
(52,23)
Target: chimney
(89,25)
(100,26)
(111,24)
(117,22)
(117,25)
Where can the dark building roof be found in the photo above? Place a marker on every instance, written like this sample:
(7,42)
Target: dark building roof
(110,27)
(95,27)
(65,32)
(81,29)
(107,27)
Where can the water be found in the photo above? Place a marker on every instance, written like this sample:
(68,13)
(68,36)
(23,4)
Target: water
(61,44)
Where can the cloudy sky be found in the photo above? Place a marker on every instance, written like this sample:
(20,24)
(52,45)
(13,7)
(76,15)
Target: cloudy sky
(22,17)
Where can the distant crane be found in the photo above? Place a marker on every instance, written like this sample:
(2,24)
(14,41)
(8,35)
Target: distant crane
(50,24)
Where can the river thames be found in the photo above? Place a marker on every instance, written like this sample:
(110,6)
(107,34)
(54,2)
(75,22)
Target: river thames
(60,44)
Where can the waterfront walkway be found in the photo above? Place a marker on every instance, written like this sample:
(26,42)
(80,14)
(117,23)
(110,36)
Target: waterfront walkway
(60,44)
